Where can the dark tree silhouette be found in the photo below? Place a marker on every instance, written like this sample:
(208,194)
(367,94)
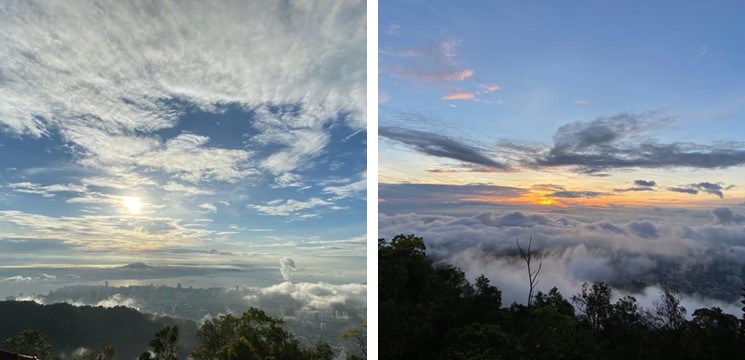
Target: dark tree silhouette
(431,312)
(163,346)
(668,314)
(527,256)
(593,301)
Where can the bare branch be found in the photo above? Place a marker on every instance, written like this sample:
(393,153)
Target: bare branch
(528,257)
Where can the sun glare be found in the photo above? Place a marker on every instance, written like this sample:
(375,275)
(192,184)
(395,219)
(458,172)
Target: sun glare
(546,201)
(133,204)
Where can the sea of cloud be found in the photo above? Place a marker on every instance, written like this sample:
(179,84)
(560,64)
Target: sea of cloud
(577,249)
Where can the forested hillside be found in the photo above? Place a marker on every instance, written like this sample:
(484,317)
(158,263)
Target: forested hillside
(63,331)
(71,327)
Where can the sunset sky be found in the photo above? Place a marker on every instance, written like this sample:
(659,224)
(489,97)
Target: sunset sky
(611,133)
(180,132)
(563,104)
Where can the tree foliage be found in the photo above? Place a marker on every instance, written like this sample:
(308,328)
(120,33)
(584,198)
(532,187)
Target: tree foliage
(68,328)
(429,311)
(254,335)
(358,336)
(29,342)
(163,346)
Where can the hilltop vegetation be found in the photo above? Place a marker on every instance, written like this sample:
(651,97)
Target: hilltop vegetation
(434,312)
(69,328)
(63,331)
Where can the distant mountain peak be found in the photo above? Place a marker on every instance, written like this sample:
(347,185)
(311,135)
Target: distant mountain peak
(136,265)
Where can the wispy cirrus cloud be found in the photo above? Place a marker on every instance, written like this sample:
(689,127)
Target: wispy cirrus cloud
(153,105)
(292,207)
(110,108)
(487,88)
(127,85)
(45,190)
(459,96)
(102,231)
(434,63)
(348,188)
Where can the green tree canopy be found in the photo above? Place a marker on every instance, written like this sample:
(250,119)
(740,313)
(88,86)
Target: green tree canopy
(254,335)
(29,342)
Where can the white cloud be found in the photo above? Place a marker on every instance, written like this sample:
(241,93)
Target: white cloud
(578,249)
(185,156)
(102,231)
(347,190)
(208,207)
(186,189)
(120,179)
(309,296)
(290,206)
(46,191)
(302,139)
(288,180)
(104,77)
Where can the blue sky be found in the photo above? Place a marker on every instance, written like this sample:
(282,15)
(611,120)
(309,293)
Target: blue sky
(515,73)
(158,132)
(610,132)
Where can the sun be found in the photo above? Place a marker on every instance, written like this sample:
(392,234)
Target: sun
(132,204)
(546,201)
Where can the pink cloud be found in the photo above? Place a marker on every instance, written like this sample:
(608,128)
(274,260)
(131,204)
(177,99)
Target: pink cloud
(490,87)
(581,101)
(459,96)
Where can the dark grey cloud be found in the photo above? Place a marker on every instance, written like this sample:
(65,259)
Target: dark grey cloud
(423,194)
(579,136)
(714,189)
(635,188)
(645,229)
(725,216)
(576,194)
(685,190)
(440,145)
(516,218)
(464,168)
(590,147)
(648,183)
(707,187)
(626,141)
